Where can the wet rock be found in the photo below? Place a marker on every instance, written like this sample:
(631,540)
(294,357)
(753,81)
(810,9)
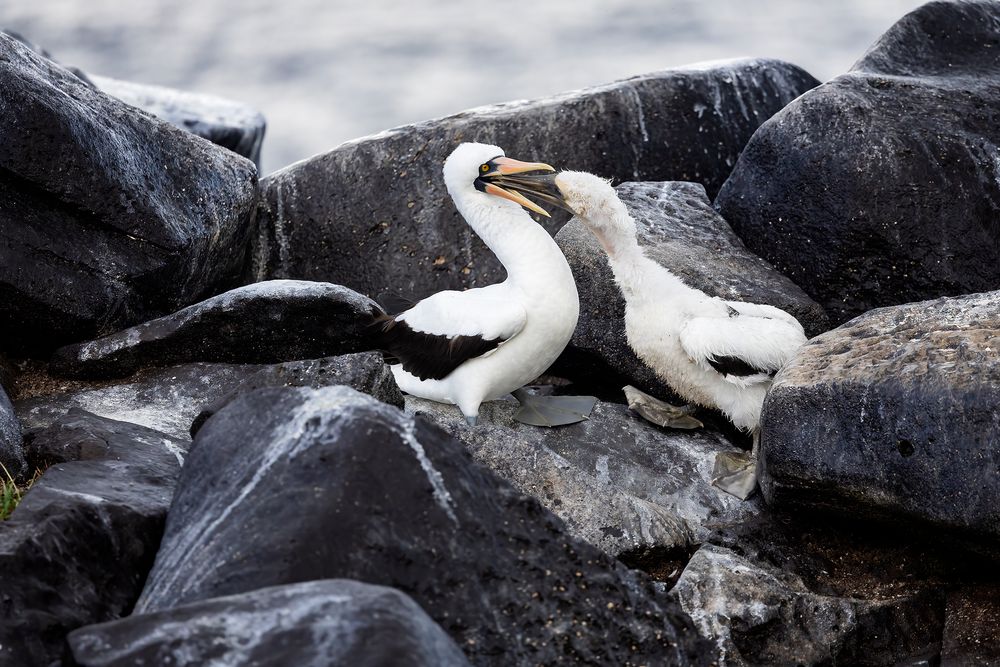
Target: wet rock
(78,547)
(893,414)
(617,481)
(757,615)
(11,454)
(373,214)
(229,124)
(678,228)
(314,624)
(288,485)
(882,186)
(138,219)
(268,322)
(365,372)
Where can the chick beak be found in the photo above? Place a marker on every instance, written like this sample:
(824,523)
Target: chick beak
(515,180)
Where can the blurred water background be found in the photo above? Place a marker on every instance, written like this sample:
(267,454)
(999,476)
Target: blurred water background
(325,71)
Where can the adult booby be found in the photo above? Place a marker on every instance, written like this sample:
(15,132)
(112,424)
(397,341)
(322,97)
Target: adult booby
(469,347)
(714,353)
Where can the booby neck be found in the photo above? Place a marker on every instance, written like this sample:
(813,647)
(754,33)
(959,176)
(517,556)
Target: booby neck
(527,252)
(634,272)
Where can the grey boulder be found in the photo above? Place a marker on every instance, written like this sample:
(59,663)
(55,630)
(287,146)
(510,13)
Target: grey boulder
(893,415)
(295,484)
(313,624)
(882,186)
(11,453)
(109,215)
(268,322)
(678,229)
(77,549)
(171,399)
(618,482)
(365,372)
(224,122)
(373,214)
(759,615)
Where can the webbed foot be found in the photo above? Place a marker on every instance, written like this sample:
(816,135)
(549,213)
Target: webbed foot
(550,411)
(660,412)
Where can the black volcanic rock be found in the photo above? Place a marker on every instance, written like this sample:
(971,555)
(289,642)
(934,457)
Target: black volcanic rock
(893,414)
(78,547)
(759,615)
(268,322)
(677,228)
(11,454)
(373,214)
(226,123)
(327,623)
(365,372)
(882,186)
(617,481)
(166,399)
(108,216)
(290,485)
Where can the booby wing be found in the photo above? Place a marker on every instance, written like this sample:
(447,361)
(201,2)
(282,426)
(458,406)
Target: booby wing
(445,330)
(742,348)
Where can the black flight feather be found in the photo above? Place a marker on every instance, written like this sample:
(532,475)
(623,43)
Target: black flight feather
(736,366)
(427,356)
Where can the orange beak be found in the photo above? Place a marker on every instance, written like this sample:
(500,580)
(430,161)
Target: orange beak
(502,181)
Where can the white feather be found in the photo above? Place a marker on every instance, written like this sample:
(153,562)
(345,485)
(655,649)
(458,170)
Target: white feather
(487,312)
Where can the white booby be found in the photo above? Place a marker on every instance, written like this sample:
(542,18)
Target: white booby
(714,353)
(469,347)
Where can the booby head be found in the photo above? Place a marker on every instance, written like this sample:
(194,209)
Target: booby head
(597,206)
(484,170)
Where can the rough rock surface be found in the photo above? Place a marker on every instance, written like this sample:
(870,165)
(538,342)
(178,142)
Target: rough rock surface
(617,481)
(757,615)
(11,454)
(373,214)
(331,483)
(893,413)
(139,218)
(882,186)
(678,228)
(170,399)
(972,627)
(229,124)
(348,623)
(166,399)
(77,549)
(365,372)
(268,322)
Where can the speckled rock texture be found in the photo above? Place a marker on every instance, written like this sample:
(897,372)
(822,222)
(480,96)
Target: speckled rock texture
(77,549)
(617,481)
(365,372)
(374,214)
(759,615)
(268,322)
(294,484)
(894,413)
(108,216)
(344,624)
(11,454)
(678,228)
(882,186)
(226,123)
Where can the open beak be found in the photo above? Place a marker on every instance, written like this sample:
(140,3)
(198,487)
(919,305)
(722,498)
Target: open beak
(517,181)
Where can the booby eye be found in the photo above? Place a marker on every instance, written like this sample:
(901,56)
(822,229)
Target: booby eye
(484,168)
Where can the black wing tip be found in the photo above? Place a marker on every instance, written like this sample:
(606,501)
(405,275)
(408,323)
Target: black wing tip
(736,367)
